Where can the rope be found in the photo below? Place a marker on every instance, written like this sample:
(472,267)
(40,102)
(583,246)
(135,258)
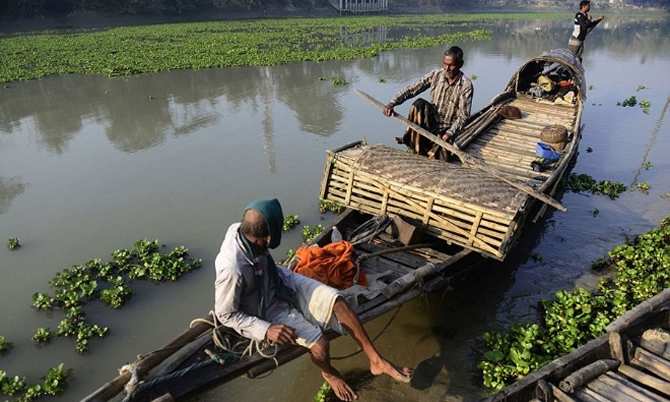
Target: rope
(243,347)
(369,229)
(134,379)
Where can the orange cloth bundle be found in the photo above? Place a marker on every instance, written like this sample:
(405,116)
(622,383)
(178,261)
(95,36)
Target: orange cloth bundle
(331,264)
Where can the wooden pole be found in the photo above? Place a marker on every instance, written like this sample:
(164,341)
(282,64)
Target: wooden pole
(585,374)
(407,280)
(642,309)
(145,364)
(467,159)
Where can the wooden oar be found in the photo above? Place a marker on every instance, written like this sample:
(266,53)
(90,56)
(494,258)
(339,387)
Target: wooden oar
(467,159)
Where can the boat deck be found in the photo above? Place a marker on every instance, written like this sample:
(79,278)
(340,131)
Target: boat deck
(509,145)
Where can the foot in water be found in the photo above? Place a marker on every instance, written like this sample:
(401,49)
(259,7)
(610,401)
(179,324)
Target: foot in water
(341,389)
(400,374)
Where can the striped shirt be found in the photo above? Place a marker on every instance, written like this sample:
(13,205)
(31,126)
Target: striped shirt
(453,101)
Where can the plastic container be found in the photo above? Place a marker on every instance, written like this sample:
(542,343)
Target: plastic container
(546,151)
(335,236)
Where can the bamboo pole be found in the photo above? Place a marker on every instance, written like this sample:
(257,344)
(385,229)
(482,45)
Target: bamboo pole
(407,280)
(184,354)
(146,363)
(586,374)
(467,159)
(642,309)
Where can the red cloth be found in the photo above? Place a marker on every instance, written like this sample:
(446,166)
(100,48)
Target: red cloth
(331,264)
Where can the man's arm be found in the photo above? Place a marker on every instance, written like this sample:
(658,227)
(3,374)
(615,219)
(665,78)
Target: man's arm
(408,92)
(227,296)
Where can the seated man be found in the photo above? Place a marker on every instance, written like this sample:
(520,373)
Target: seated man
(262,301)
(448,110)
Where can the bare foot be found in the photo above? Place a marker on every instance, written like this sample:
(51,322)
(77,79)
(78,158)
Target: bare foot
(340,387)
(400,374)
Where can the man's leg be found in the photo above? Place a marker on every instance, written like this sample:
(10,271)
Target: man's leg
(320,353)
(378,365)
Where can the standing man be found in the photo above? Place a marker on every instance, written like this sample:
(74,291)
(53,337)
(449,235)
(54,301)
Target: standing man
(583,26)
(265,302)
(445,115)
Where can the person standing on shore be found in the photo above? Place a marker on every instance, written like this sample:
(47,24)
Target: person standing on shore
(449,107)
(583,26)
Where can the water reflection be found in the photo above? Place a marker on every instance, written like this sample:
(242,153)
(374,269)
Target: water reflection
(9,189)
(141,112)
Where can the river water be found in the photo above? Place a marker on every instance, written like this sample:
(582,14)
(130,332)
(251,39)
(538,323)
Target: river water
(90,164)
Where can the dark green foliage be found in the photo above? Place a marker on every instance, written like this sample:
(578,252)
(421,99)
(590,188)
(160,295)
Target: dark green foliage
(585,183)
(216,44)
(640,270)
(108,282)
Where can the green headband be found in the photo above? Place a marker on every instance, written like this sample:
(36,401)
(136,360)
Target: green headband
(274,217)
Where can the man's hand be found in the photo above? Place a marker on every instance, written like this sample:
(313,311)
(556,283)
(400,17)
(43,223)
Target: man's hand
(602,17)
(446,137)
(280,334)
(388,109)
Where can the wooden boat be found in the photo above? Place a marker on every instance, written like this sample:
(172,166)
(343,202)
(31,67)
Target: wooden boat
(629,363)
(481,203)
(412,233)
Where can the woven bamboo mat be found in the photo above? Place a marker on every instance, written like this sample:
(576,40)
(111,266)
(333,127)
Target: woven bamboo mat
(432,177)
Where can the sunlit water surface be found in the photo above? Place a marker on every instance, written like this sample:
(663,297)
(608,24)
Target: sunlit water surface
(90,164)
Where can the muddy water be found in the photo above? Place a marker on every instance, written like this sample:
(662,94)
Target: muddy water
(89,165)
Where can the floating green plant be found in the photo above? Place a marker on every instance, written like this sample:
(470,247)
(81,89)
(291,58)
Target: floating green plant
(329,206)
(338,81)
(108,282)
(583,182)
(324,394)
(644,187)
(4,345)
(309,234)
(13,243)
(632,101)
(231,43)
(43,334)
(290,221)
(572,318)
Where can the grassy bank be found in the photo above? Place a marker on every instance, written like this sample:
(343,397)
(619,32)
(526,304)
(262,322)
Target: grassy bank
(153,48)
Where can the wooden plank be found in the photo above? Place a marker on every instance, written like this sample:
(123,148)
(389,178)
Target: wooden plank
(614,391)
(614,377)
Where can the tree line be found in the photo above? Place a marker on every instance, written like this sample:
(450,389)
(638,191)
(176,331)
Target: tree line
(10,9)
(32,8)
